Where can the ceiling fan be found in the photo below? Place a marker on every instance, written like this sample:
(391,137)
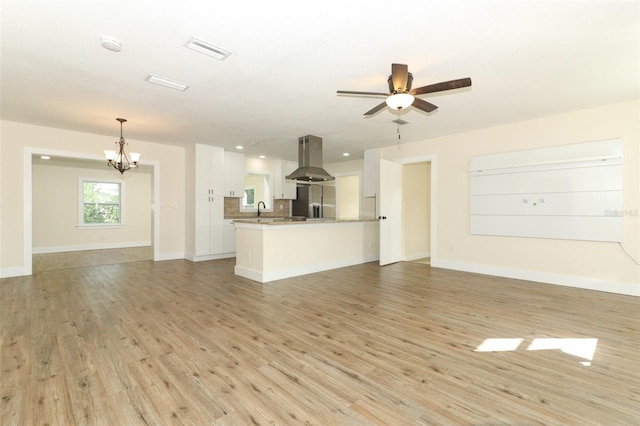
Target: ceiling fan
(401,95)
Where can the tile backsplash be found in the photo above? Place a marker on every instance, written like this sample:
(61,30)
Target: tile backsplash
(232,209)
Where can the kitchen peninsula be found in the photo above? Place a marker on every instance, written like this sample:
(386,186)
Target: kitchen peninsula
(270,249)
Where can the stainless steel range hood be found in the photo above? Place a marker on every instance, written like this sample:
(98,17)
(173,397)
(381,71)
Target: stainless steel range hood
(310,161)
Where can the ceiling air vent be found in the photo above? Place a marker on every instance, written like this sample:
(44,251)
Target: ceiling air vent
(207,48)
(167,83)
(400,121)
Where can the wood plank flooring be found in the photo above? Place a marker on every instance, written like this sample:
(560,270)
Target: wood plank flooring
(181,343)
(79,259)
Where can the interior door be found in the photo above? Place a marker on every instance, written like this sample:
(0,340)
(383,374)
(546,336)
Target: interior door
(390,212)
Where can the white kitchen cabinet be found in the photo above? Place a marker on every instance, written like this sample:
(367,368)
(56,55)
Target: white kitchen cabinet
(233,174)
(209,236)
(209,170)
(371,172)
(229,245)
(209,201)
(285,189)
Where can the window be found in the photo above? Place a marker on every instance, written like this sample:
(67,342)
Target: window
(249,199)
(100,202)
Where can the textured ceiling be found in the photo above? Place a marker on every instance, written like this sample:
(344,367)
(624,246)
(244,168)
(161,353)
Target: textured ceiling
(526,59)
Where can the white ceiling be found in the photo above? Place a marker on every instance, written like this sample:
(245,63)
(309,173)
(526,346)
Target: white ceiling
(526,59)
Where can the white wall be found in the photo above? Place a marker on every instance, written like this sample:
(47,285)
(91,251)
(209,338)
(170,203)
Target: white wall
(55,208)
(416,210)
(351,168)
(16,138)
(584,264)
(348,197)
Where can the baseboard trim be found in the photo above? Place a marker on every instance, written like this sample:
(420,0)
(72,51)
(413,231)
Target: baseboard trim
(417,256)
(587,283)
(249,273)
(104,246)
(10,272)
(169,256)
(193,258)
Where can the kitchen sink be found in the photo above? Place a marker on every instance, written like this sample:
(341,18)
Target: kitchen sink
(264,219)
(273,219)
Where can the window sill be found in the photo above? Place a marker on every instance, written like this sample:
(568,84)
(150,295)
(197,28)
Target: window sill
(101,226)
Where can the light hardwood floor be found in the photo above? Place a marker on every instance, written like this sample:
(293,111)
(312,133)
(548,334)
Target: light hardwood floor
(78,259)
(176,342)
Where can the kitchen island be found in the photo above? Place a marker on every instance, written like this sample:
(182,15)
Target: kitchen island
(270,249)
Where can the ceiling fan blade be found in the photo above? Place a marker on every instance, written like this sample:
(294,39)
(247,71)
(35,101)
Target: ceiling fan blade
(351,92)
(423,105)
(376,109)
(445,85)
(399,77)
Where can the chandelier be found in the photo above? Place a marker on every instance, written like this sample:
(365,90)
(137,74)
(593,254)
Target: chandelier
(119,159)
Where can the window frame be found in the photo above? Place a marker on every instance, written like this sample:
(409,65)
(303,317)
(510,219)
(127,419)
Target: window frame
(81,204)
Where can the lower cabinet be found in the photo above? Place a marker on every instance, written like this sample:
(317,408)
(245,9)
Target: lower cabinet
(209,226)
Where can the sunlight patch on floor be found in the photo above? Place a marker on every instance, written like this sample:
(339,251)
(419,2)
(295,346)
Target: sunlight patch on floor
(581,347)
(499,345)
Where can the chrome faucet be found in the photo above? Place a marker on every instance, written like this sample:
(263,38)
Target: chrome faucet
(263,205)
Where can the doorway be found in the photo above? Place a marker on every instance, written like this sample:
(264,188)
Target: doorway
(416,211)
(151,168)
(406,206)
(61,239)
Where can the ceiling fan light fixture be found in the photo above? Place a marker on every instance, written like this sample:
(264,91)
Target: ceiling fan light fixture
(400,100)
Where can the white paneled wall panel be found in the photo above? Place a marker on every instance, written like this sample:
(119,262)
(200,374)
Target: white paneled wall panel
(603,176)
(594,203)
(567,192)
(559,227)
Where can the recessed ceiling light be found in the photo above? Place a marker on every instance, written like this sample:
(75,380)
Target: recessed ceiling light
(45,157)
(239,147)
(167,83)
(207,48)
(110,44)
(262,156)
(345,154)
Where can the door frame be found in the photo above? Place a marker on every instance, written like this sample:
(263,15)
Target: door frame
(27,203)
(433,195)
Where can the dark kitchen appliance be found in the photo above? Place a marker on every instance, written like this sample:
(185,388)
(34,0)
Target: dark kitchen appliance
(315,201)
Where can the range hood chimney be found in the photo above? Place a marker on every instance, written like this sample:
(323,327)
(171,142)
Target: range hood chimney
(310,161)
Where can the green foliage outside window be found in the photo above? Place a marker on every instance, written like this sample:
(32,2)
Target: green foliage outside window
(101,202)
(249,196)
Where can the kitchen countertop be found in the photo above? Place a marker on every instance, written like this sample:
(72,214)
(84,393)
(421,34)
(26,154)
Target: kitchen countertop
(289,221)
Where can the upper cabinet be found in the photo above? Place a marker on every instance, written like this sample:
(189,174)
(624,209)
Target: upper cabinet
(371,171)
(209,170)
(284,188)
(233,174)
